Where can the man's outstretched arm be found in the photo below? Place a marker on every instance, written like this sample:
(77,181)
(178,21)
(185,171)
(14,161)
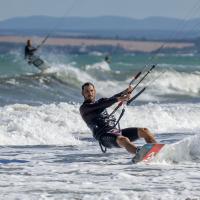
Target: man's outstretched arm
(124,92)
(102,103)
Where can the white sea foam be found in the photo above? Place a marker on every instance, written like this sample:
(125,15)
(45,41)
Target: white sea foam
(59,123)
(77,77)
(164,118)
(96,53)
(102,66)
(186,150)
(48,124)
(169,83)
(177,83)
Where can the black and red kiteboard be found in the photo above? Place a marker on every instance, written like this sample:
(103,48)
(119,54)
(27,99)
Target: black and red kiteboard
(147,152)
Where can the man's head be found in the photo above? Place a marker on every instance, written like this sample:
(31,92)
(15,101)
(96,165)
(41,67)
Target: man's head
(88,91)
(28,42)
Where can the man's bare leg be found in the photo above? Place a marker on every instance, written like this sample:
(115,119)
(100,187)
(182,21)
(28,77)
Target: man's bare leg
(130,147)
(147,135)
(126,143)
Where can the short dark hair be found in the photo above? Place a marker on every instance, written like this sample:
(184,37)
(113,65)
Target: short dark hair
(28,41)
(87,84)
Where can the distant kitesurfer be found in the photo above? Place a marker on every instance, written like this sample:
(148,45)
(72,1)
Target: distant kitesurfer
(29,51)
(107,59)
(102,125)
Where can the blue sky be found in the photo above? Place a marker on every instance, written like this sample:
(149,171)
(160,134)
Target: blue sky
(88,8)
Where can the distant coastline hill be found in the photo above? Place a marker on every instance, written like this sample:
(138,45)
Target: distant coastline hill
(105,26)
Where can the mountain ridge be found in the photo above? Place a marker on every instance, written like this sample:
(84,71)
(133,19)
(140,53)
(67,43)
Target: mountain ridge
(106,26)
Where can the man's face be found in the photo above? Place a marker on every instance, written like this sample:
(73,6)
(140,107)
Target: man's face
(29,43)
(89,93)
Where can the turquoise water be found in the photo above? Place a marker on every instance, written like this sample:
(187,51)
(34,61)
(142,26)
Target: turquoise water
(177,77)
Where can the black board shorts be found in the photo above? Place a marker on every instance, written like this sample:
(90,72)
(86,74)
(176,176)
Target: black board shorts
(109,139)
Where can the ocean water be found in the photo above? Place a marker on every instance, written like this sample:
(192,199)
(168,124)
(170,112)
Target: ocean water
(47,151)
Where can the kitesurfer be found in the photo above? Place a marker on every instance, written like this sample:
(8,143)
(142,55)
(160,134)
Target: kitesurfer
(29,51)
(102,125)
(107,59)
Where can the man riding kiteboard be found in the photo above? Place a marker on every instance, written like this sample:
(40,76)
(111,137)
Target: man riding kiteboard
(103,125)
(29,51)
